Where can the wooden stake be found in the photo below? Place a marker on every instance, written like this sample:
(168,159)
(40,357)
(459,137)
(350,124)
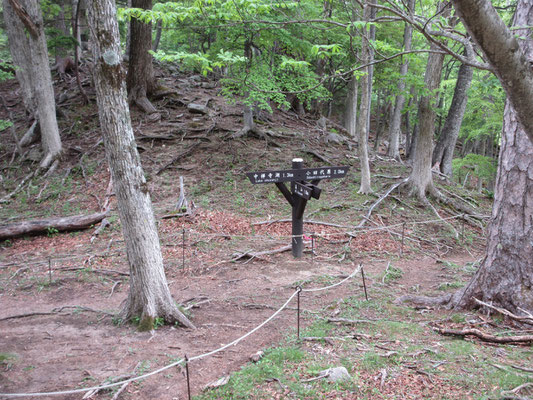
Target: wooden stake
(364,282)
(187,373)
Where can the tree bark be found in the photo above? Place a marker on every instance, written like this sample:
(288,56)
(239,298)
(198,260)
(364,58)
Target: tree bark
(421,180)
(395,127)
(149,296)
(362,121)
(29,12)
(505,278)
(19,47)
(158,31)
(351,107)
(501,47)
(141,80)
(443,153)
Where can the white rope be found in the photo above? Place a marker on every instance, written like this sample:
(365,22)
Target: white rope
(356,271)
(65,392)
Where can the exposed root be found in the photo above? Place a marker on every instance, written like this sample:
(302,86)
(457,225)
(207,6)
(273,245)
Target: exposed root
(445,301)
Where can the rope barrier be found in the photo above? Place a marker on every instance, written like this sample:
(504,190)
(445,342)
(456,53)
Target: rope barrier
(181,360)
(356,271)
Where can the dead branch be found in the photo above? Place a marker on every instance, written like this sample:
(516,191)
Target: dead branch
(516,390)
(259,254)
(528,319)
(307,221)
(94,271)
(378,201)
(104,224)
(345,321)
(20,186)
(183,154)
(485,336)
(428,203)
(73,223)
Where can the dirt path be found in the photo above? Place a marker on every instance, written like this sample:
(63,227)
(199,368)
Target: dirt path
(61,352)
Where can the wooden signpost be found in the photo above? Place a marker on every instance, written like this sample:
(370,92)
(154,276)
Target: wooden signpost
(304,185)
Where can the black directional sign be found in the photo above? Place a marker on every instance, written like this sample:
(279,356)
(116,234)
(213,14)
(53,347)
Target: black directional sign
(287,175)
(304,183)
(324,173)
(303,191)
(294,175)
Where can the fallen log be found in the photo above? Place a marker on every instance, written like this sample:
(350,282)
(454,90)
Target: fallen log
(485,336)
(58,224)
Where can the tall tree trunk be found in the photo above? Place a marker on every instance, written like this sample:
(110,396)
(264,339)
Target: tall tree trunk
(443,152)
(149,296)
(59,23)
(29,13)
(351,107)
(76,26)
(395,127)
(141,80)
(158,31)
(505,278)
(502,49)
(19,47)
(371,38)
(43,88)
(362,121)
(421,180)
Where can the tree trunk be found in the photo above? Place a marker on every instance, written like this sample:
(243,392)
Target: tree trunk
(19,47)
(362,121)
(29,13)
(59,23)
(158,31)
(351,107)
(395,127)
(502,49)
(371,38)
(443,153)
(149,296)
(421,180)
(505,278)
(141,80)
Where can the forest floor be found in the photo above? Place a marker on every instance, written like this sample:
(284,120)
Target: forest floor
(59,292)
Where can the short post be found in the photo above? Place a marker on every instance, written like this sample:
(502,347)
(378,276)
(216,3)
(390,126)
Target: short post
(183,249)
(299,289)
(313,247)
(187,373)
(297,217)
(463,227)
(364,282)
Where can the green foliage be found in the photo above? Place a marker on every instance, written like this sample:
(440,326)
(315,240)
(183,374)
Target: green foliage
(476,165)
(483,116)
